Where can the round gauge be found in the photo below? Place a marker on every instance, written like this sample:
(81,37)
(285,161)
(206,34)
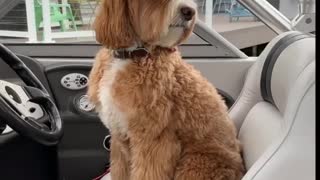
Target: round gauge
(84,104)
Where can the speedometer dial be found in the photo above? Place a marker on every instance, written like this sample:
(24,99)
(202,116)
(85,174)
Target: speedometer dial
(84,104)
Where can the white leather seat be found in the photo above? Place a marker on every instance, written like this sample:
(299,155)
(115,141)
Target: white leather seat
(275,112)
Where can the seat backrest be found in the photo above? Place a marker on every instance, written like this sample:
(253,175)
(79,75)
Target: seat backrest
(275,112)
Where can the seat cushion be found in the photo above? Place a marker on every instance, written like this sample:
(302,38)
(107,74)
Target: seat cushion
(275,111)
(251,92)
(262,126)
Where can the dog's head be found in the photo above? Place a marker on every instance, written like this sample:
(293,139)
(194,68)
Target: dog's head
(125,23)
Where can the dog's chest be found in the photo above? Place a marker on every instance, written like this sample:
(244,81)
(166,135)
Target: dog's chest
(109,114)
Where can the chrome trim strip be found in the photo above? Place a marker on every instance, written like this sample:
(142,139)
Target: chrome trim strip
(216,40)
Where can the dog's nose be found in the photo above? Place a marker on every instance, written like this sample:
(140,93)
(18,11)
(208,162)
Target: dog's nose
(187,13)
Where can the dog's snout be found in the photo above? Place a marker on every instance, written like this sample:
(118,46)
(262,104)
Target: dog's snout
(187,13)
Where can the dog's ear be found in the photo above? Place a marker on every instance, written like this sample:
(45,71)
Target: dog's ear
(112,25)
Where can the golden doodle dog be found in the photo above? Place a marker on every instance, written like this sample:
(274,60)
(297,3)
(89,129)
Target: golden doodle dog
(167,121)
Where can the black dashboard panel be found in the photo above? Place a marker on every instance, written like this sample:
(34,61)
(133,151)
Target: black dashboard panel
(20,157)
(81,148)
(80,154)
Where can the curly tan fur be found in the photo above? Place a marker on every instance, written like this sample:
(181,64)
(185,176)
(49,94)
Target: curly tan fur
(176,124)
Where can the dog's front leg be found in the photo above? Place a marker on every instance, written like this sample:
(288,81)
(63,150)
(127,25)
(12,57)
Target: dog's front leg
(154,158)
(120,162)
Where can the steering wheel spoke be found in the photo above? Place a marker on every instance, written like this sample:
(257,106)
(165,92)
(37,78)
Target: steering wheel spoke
(36,95)
(19,100)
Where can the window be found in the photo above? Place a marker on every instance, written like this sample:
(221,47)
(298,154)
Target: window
(71,21)
(235,23)
(23,21)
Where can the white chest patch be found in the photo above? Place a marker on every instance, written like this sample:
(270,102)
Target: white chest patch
(109,114)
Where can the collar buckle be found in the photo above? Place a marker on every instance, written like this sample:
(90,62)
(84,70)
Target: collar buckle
(119,53)
(127,54)
(140,52)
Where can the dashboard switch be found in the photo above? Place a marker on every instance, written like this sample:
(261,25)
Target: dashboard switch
(74,81)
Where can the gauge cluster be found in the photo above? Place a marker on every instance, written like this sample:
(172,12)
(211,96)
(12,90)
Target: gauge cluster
(83,104)
(76,83)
